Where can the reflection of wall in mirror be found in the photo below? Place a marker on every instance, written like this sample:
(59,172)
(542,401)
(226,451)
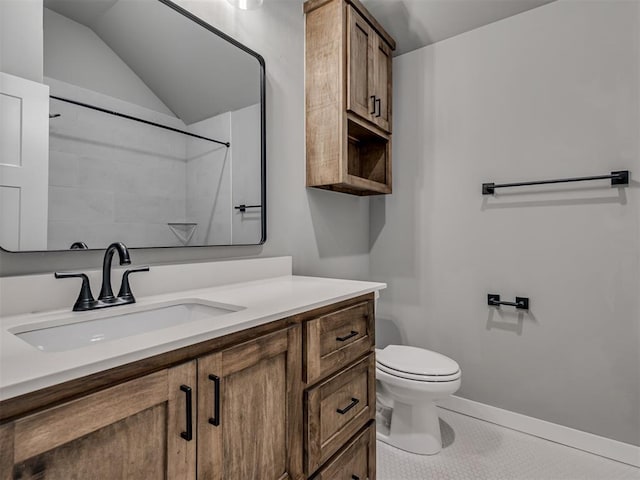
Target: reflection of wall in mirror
(74,54)
(112,178)
(219,178)
(247,189)
(115,179)
(208,186)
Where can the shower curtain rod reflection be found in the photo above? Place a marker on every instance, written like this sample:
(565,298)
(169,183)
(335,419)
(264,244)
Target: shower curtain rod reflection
(135,119)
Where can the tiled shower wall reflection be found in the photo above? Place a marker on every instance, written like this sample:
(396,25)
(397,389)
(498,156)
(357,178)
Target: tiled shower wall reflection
(111,178)
(115,179)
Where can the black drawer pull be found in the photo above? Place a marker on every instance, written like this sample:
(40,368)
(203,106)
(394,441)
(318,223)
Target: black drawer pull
(188,435)
(378,102)
(215,420)
(347,337)
(373,100)
(354,402)
(355,477)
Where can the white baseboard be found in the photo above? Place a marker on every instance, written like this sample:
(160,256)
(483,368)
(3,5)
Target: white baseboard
(605,447)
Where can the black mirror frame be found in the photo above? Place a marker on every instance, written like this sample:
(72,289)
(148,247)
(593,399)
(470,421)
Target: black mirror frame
(263,142)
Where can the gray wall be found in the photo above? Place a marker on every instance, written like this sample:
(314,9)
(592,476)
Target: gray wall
(550,93)
(326,233)
(74,54)
(21,38)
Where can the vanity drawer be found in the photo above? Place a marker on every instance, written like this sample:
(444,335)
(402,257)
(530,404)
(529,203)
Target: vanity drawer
(356,460)
(334,340)
(336,409)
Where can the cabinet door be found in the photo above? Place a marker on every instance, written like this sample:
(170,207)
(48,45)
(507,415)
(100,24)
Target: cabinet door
(382,74)
(131,430)
(250,413)
(360,66)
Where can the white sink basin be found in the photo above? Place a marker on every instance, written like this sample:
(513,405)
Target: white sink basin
(81,334)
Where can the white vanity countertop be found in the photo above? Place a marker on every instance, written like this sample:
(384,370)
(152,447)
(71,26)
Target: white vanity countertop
(24,368)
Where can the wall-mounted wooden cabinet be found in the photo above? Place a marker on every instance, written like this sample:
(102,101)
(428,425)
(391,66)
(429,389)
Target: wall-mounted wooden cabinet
(369,72)
(348,98)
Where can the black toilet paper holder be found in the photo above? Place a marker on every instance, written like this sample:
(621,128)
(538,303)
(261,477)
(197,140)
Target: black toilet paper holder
(521,303)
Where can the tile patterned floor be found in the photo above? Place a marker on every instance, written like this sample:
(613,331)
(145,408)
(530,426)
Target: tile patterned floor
(477,450)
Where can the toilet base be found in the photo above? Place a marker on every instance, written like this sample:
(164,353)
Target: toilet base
(414,429)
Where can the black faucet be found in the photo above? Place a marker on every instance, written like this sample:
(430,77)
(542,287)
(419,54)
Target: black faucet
(106,298)
(106,293)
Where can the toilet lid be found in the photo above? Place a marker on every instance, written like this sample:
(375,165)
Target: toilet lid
(416,361)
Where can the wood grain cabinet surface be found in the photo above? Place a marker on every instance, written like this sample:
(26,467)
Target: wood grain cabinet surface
(131,430)
(249,414)
(338,408)
(368,72)
(348,91)
(334,340)
(232,408)
(356,461)
(238,412)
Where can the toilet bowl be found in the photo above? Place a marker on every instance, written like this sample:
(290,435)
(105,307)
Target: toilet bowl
(412,379)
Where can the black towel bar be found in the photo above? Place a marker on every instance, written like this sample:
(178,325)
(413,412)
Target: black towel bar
(243,208)
(618,178)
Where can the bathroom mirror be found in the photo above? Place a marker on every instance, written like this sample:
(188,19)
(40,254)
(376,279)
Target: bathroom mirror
(156,125)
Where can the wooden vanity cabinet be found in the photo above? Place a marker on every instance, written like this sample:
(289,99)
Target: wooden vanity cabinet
(237,411)
(356,460)
(348,96)
(287,400)
(338,408)
(249,410)
(339,398)
(135,429)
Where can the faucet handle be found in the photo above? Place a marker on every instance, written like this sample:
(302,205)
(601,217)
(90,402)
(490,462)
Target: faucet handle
(85,300)
(125,288)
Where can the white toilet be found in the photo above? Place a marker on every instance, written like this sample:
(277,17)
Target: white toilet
(412,379)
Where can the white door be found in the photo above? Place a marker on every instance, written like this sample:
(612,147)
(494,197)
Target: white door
(24,163)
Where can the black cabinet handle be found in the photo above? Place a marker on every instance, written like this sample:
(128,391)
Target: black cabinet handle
(215,420)
(347,337)
(354,402)
(188,435)
(379,103)
(373,102)
(355,477)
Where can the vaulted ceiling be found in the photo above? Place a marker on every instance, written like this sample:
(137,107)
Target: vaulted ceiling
(195,73)
(417,23)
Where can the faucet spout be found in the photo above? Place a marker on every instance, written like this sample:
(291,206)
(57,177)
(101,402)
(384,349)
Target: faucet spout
(106,299)
(106,292)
